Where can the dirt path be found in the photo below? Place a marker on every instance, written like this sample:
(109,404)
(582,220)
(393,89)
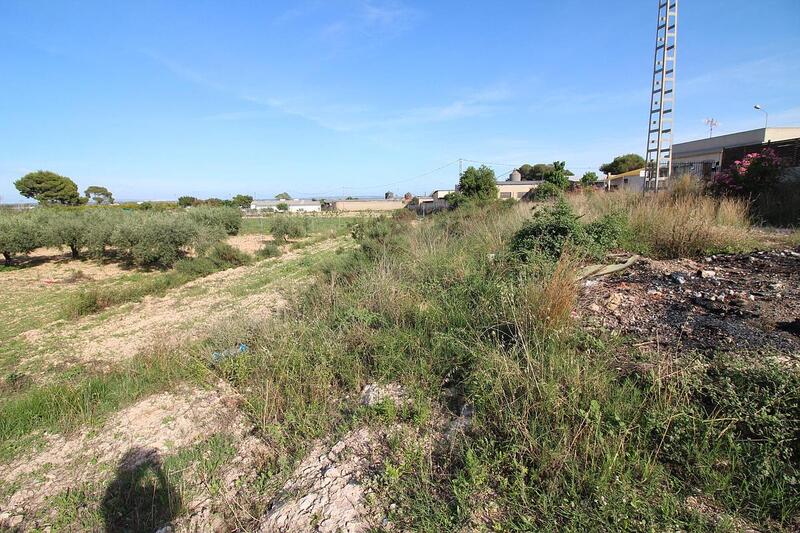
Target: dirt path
(181,315)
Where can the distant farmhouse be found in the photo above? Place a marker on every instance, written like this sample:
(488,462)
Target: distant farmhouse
(293,206)
(516,187)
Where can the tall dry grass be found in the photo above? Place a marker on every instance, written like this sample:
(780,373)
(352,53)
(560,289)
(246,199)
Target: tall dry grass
(680,222)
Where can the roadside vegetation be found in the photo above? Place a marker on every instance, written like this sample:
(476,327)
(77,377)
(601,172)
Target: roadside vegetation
(519,419)
(471,311)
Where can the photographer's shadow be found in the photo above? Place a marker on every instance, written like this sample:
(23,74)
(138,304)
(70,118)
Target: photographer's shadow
(140,497)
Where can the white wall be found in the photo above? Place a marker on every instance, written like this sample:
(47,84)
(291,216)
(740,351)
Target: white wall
(304,208)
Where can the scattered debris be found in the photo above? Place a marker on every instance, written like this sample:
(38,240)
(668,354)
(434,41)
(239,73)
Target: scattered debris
(604,270)
(747,301)
(375,394)
(228,353)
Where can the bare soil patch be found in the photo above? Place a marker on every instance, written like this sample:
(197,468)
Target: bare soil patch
(47,267)
(156,426)
(721,303)
(184,314)
(250,243)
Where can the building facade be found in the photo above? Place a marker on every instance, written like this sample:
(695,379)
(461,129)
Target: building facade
(294,206)
(703,157)
(364,205)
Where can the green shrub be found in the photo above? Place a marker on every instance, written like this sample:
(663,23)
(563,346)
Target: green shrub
(195,267)
(547,191)
(549,231)
(223,255)
(227,218)
(269,250)
(285,227)
(377,235)
(609,231)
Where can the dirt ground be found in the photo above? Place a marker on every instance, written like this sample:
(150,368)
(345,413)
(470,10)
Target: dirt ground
(250,243)
(183,314)
(726,302)
(155,427)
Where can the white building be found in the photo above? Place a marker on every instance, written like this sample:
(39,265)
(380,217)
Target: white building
(705,155)
(633,180)
(294,206)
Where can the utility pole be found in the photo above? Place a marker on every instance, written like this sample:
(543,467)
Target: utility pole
(662,98)
(460,171)
(711,123)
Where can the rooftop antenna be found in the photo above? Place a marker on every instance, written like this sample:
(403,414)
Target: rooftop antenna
(711,123)
(658,166)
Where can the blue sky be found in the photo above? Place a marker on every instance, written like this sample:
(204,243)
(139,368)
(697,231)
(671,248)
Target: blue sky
(155,99)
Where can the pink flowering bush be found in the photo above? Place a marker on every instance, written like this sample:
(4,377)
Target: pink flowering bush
(755,173)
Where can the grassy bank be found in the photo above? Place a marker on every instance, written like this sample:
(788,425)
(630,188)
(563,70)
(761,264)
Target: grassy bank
(315,223)
(560,438)
(218,257)
(83,401)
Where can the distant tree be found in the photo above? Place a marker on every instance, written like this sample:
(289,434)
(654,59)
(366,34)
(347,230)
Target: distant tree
(623,163)
(388,195)
(558,176)
(478,183)
(242,200)
(100,195)
(49,188)
(407,197)
(588,179)
(283,206)
(187,201)
(527,171)
(214,202)
(146,206)
(538,171)
(283,196)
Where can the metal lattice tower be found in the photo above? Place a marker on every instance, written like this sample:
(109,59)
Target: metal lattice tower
(658,166)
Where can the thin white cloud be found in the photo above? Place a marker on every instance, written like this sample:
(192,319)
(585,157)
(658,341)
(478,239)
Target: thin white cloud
(343,117)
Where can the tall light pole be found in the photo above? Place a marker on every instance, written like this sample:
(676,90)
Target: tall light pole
(766,115)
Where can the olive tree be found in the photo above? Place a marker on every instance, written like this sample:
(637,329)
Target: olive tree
(18,235)
(155,239)
(69,229)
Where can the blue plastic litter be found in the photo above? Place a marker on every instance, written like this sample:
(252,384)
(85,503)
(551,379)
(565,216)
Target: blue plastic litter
(233,351)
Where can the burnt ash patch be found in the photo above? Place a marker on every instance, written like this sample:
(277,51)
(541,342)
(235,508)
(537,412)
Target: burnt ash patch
(736,302)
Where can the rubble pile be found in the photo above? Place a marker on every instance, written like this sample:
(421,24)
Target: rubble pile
(720,303)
